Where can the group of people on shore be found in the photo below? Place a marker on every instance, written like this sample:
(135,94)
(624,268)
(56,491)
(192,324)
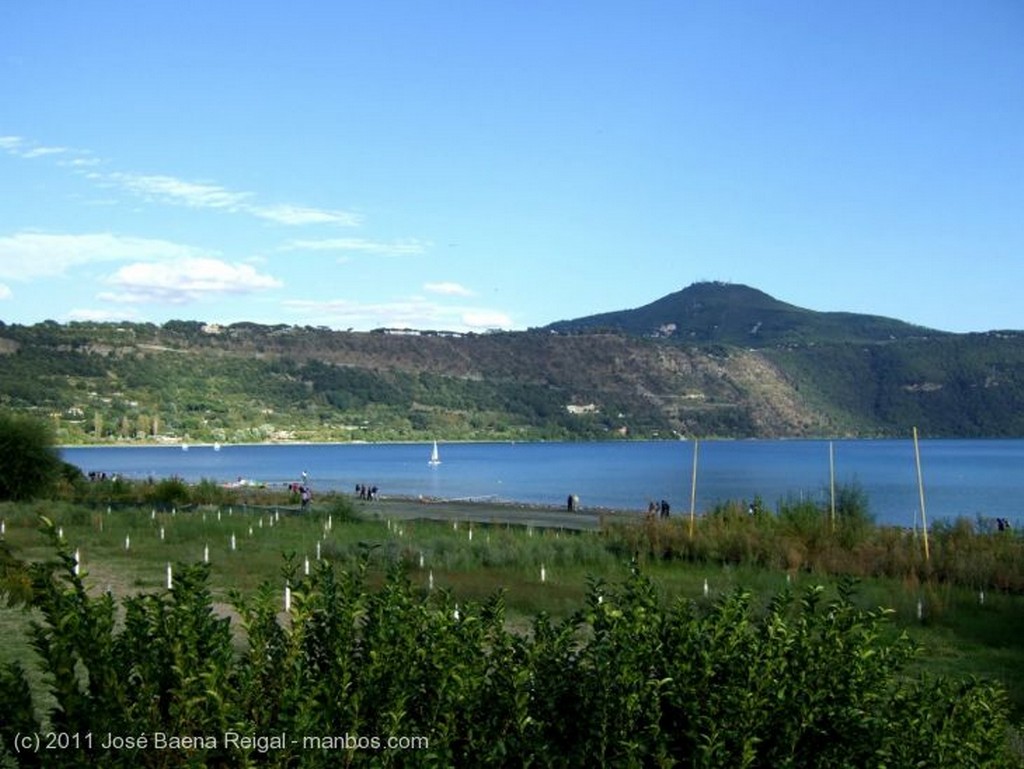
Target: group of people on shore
(97,477)
(304,493)
(660,509)
(365,492)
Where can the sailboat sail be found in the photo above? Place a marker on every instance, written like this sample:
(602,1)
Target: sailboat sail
(435,458)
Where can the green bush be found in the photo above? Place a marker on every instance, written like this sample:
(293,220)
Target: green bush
(209,492)
(169,492)
(626,680)
(29,464)
(340,509)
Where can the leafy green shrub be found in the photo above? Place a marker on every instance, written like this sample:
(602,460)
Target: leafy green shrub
(341,509)
(209,492)
(109,490)
(169,492)
(626,680)
(29,464)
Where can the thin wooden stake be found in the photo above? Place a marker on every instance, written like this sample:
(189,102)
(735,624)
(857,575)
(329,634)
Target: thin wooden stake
(920,492)
(693,489)
(832,481)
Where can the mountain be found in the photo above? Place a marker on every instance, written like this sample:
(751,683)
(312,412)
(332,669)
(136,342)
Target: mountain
(734,314)
(711,360)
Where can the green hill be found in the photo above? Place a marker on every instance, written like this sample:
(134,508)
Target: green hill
(737,363)
(735,314)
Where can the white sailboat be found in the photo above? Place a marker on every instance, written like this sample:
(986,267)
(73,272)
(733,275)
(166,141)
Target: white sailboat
(435,458)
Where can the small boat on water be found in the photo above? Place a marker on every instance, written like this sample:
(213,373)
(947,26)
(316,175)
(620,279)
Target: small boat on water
(435,457)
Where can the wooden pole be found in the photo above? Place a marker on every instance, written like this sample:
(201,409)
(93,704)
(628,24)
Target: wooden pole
(920,493)
(832,481)
(693,489)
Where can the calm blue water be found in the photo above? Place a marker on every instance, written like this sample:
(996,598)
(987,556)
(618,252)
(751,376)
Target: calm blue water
(961,477)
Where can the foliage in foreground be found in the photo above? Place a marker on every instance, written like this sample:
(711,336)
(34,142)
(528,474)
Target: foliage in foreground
(352,674)
(29,465)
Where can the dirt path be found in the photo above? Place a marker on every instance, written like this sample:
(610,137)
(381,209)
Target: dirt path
(401,508)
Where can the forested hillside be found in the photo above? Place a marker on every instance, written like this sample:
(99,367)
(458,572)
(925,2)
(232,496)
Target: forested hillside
(734,314)
(188,381)
(954,385)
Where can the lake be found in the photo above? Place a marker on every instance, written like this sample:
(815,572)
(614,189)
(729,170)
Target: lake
(961,477)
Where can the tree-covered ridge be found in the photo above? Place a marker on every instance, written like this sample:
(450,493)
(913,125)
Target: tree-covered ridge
(956,385)
(730,313)
(250,382)
(825,374)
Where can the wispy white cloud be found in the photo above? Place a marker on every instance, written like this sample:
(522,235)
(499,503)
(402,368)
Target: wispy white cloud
(38,152)
(172,190)
(167,189)
(30,255)
(298,215)
(5,291)
(24,148)
(105,315)
(405,247)
(485,319)
(447,288)
(177,191)
(82,162)
(184,280)
(345,313)
(414,313)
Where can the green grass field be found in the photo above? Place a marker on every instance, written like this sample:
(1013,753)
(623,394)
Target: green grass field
(128,550)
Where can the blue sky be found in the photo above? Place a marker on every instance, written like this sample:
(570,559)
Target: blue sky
(479,164)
